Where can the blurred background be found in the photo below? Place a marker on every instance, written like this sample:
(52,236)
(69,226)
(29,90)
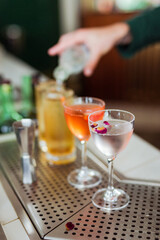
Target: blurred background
(29,27)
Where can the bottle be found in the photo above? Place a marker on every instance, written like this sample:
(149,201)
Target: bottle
(7,112)
(71,61)
(28,108)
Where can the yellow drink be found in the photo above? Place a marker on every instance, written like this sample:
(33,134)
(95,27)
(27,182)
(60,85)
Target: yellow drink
(59,139)
(40,93)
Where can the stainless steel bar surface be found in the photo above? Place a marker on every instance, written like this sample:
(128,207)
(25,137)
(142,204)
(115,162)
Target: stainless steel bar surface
(51,202)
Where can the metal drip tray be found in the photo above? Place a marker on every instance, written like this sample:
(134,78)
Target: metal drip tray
(51,202)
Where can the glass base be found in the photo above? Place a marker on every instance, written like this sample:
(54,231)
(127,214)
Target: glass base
(43,145)
(107,200)
(84,178)
(61,159)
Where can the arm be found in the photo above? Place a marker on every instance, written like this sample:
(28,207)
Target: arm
(129,36)
(144,29)
(99,41)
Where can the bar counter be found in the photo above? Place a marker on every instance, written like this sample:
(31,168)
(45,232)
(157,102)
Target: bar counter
(140,161)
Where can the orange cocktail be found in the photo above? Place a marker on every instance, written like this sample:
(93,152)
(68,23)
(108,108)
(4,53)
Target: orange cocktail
(76,112)
(77,119)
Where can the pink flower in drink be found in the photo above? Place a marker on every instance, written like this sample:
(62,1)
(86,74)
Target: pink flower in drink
(106,123)
(94,125)
(101,130)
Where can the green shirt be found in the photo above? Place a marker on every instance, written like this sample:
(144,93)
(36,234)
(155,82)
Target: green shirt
(145,29)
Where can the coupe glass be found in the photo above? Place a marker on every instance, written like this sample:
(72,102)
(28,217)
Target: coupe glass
(111,131)
(76,112)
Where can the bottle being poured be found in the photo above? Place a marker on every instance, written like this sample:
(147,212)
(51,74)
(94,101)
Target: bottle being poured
(71,61)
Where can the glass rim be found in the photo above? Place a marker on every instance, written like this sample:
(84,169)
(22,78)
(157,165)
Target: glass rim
(53,93)
(115,110)
(24,123)
(85,97)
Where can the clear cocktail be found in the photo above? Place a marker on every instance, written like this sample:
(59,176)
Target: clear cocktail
(111,133)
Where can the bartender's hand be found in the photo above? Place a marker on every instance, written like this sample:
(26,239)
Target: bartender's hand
(99,41)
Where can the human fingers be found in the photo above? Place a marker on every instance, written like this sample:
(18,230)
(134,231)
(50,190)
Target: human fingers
(91,65)
(56,49)
(67,41)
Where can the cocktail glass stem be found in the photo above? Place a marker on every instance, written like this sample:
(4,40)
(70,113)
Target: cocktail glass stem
(110,189)
(84,169)
(84,177)
(84,153)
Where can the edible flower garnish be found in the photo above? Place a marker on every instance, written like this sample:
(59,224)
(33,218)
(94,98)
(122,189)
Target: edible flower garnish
(69,226)
(106,123)
(102,130)
(94,125)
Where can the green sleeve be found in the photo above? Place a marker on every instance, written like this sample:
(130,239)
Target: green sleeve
(145,29)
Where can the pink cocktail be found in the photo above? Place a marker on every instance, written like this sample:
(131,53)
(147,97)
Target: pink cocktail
(111,131)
